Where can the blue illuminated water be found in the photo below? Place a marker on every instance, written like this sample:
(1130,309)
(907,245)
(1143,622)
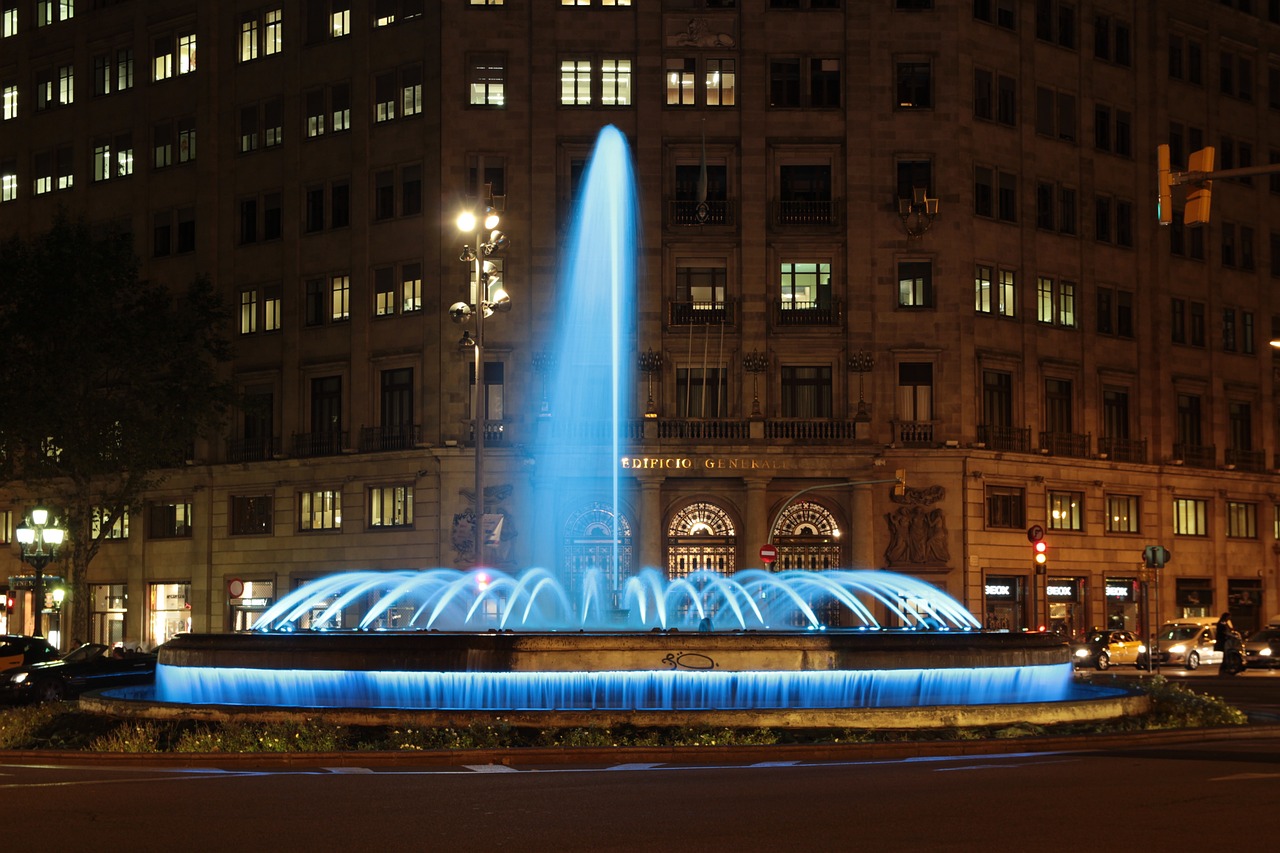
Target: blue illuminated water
(657,691)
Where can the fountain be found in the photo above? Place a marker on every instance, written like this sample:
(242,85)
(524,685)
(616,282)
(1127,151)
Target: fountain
(602,642)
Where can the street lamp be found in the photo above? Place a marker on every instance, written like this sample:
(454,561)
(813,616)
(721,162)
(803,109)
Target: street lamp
(755,363)
(650,363)
(487,296)
(861,363)
(39,536)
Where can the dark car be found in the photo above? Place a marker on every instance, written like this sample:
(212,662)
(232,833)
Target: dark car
(90,667)
(1101,649)
(1262,649)
(19,650)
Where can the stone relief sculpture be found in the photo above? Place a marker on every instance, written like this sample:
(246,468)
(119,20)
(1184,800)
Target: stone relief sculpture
(917,534)
(502,533)
(700,34)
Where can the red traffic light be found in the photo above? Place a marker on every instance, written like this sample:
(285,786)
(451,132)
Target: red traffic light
(1038,553)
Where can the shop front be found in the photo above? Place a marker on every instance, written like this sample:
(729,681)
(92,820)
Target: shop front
(1244,600)
(1068,615)
(1121,600)
(1006,603)
(1193,598)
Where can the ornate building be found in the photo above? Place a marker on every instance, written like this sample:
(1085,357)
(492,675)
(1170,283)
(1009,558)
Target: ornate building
(904,234)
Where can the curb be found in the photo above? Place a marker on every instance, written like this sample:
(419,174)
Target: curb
(682,755)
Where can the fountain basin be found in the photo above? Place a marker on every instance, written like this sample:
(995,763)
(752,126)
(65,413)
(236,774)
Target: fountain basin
(664,673)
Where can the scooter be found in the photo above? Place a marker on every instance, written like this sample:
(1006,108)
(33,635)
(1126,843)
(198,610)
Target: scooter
(1232,655)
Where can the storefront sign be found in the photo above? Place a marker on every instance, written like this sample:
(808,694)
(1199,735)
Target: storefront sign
(1118,592)
(709,463)
(1000,588)
(1061,590)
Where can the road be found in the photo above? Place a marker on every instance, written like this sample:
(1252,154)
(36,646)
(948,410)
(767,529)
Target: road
(1209,793)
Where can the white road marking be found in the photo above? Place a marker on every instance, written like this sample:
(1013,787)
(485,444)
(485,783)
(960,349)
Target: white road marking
(490,768)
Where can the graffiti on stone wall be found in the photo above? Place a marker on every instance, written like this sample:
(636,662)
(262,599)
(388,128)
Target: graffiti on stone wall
(917,529)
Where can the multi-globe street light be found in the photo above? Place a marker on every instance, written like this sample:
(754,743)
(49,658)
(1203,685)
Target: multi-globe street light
(39,536)
(487,296)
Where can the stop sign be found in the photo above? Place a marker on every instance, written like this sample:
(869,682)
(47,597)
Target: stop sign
(768,553)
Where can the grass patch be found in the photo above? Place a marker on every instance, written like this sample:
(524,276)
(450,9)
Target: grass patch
(61,726)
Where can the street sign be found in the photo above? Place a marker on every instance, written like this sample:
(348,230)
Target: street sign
(768,553)
(1035,533)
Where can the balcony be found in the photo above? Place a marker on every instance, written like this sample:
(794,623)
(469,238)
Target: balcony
(252,449)
(329,443)
(1067,444)
(1196,455)
(1246,460)
(805,213)
(825,430)
(1004,438)
(394,437)
(704,429)
(700,313)
(495,432)
(1123,449)
(684,212)
(913,433)
(787,313)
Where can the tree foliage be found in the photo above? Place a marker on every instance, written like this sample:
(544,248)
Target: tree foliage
(106,380)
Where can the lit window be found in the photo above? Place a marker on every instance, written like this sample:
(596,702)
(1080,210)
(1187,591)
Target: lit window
(10,101)
(411,287)
(615,78)
(391,506)
(187,53)
(274,40)
(1066,511)
(340,22)
(1122,514)
(271,317)
(320,510)
(1242,520)
(101,530)
(248,40)
(248,312)
(575,82)
(9,20)
(66,85)
(1190,517)
(340,292)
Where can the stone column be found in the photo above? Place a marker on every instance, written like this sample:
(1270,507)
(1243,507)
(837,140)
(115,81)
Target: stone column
(651,522)
(863,527)
(758,519)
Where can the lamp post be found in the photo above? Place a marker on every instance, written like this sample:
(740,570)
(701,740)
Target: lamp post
(651,363)
(39,537)
(861,363)
(487,296)
(755,363)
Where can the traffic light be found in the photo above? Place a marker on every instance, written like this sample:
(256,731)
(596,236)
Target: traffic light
(1164,200)
(9,604)
(900,487)
(1039,555)
(1197,212)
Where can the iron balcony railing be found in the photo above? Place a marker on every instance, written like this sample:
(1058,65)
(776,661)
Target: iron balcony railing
(1067,444)
(1123,449)
(683,211)
(392,437)
(1246,460)
(495,432)
(791,313)
(1196,455)
(797,429)
(700,313)
(1012,439)
(913,433)
(705,429)
(252,449)
(805,212)
(329,443)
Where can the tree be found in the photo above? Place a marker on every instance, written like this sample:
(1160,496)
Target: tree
(105,383)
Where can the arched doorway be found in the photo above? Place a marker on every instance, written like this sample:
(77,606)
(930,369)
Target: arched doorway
(701,536)
(807,537)
(595,538)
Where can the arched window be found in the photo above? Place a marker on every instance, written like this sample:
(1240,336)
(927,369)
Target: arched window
(701,536)
(597,539)
(807,537)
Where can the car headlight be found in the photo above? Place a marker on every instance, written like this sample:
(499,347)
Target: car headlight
(18,677)
(1141,648)
(1265,652)
(1082,653)
(1178,649)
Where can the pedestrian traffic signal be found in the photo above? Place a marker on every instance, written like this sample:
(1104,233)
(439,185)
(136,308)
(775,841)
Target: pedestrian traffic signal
(1197,212)
(1164,198)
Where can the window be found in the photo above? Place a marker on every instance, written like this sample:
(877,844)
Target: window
(914,85)
(10,94)
(387,12)
(1005,507)
(113,71)
(495,400)
(804,194)
(701,392)
(1190,517)
(1112,40)
(806,391)
(1196,324)
(982,289)
(1239,426)
(1056,302)
(168,520)
(1115,312)
(9,19)
(391,506)
(99,529)
(797,82)
(320,202)
(995,194)
(392,197)
(397,290)
(915,284)
(915,392)
(1002,13)
(248,312)
(320,510)
(1113,130)
(1056,114)
(615,80)
(997,399)
(251,514)
(486,78)
(340,298)
(173,56)
(1055,208)
(261,34)
(1066,510)
(1122,514)
(8,180)
(1188,423)
(993,298)
(1235,75)
(805,286)
(575,82)
(398,93)
(1229,329)
(1056,22)
(113,157)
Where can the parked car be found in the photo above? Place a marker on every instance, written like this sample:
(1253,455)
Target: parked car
(90,667)
(1188,642)
(18,650)
(1102,648)
(1262,649)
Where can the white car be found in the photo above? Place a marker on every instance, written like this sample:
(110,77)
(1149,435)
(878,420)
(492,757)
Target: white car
(1188,643)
